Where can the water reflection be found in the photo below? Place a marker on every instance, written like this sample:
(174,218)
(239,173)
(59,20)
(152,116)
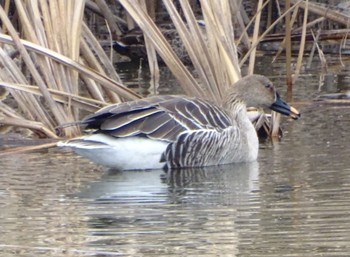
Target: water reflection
(63,204)
(236,181)
(144,210)
(293,202)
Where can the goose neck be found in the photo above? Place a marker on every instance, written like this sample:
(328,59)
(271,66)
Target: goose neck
(237,109)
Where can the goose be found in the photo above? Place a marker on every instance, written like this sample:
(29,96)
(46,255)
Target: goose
(172,131)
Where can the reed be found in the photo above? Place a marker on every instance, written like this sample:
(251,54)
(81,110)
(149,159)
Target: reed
(59,67)
(55,49)
(302,44)
(267,31)
(54,66)
(288,49)
(255,38)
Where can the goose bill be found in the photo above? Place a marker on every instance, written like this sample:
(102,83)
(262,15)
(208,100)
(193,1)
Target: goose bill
(282,107)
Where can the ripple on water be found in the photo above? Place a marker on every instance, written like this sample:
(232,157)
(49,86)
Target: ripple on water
(293,202)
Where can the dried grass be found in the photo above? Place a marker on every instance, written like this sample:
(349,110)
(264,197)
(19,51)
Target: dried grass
(54,67)
(213,54)
(302,43)
(55,54)
(255,37)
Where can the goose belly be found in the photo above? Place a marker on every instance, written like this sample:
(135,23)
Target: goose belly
(132,153)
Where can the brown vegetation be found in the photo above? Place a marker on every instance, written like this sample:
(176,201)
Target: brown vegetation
(54,67)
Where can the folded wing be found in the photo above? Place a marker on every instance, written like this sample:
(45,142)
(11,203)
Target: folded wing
(158,117)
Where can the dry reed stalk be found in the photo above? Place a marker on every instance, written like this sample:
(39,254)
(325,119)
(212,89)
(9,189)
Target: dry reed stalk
(54,59)
(244,59)
(62,46)
(81,102)
(96,58)
(255,37)
(223,52)
(109,17)
(343,44)
(105,81)
(12,72)
(8,111)
(244,31)
(21,149)
(196,45)
(213,55)
(320,53)
(151,51)
(102,79)
(35,30)
(275,124)
(311,24)
(283,43)
(313,49)
(238,12)
(288,49)
(93,7)
(302,44)
(163,48)
(32,125)
(324,11)
(279,12)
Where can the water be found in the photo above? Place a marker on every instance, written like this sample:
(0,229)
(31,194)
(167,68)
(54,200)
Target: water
(294,201)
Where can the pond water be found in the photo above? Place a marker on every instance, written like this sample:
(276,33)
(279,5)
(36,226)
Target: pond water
(294,201)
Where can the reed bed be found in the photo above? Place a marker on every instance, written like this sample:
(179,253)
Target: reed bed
(54,54)
(54,68)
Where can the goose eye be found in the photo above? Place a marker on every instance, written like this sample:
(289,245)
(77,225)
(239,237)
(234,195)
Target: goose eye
(268,85)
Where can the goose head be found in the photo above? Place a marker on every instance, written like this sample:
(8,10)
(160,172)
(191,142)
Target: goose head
(258,91)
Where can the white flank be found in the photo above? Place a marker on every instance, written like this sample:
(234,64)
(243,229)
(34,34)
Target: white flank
(131,153)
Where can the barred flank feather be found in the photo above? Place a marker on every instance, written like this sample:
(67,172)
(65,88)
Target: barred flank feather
(203,147)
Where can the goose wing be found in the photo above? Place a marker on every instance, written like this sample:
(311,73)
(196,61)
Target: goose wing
(158,117)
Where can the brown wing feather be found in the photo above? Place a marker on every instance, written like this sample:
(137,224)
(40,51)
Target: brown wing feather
(158,117)
(129,117)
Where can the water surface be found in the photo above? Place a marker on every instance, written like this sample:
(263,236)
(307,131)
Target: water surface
(294,201)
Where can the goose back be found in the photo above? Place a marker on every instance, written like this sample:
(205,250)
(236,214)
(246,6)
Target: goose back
(158,117)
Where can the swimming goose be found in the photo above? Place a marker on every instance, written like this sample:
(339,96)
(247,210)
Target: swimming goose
(179,131)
